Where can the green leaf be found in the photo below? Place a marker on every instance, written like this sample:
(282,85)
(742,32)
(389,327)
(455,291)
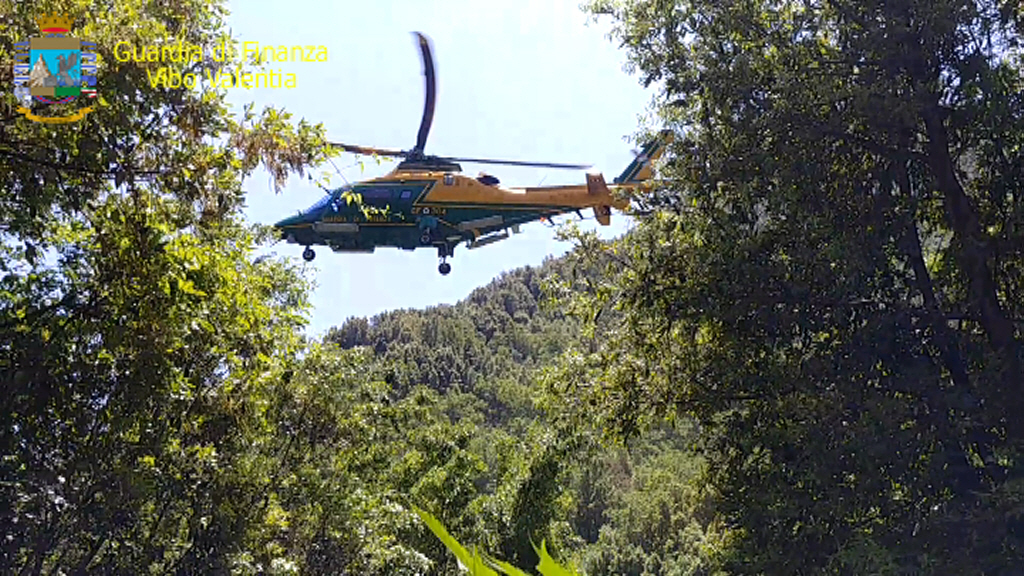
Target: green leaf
(471,562)
(547,565)
(507,568)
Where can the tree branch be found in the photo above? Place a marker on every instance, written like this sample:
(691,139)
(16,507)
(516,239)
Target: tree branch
(911,242)
(976,246)
(10,153)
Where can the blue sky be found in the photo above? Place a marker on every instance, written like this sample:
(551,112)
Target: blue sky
(517,79)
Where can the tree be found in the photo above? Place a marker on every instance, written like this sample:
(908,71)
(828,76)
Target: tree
(139,336)
(828,279)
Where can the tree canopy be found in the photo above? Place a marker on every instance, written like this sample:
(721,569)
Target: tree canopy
(828,278)
(806,357)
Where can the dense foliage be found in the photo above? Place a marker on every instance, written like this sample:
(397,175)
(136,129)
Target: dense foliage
(829,280)
(621,511)
(805,359)
(162,411)
(140,344)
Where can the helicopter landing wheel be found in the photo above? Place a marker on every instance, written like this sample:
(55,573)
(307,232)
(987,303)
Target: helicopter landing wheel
(308,254)
(444,268)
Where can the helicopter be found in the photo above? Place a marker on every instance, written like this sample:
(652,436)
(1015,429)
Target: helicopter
(428,202)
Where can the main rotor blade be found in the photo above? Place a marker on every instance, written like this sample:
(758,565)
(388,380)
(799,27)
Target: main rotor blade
(368,150)
(518,163)
(428,105)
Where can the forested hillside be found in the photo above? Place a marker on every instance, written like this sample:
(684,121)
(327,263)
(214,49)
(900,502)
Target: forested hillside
(616,511)
(806,358)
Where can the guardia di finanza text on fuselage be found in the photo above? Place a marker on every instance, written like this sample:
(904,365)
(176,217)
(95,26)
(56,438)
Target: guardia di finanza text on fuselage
(180,52)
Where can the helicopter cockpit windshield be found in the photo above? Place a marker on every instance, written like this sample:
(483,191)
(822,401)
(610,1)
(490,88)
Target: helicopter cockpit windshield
(326,200)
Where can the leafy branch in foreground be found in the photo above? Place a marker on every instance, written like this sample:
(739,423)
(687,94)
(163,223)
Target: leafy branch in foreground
(480,564)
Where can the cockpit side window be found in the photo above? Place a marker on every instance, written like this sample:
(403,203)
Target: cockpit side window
(323,202)
(375,192)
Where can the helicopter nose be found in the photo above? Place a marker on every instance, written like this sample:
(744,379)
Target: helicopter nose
(282,227)
(290,221)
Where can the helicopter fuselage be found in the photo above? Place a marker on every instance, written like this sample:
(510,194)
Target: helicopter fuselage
(428,202)
(411,209)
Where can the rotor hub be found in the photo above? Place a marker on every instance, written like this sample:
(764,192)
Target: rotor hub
(428,164)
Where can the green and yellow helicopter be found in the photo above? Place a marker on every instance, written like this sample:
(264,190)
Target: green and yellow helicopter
(430,203)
